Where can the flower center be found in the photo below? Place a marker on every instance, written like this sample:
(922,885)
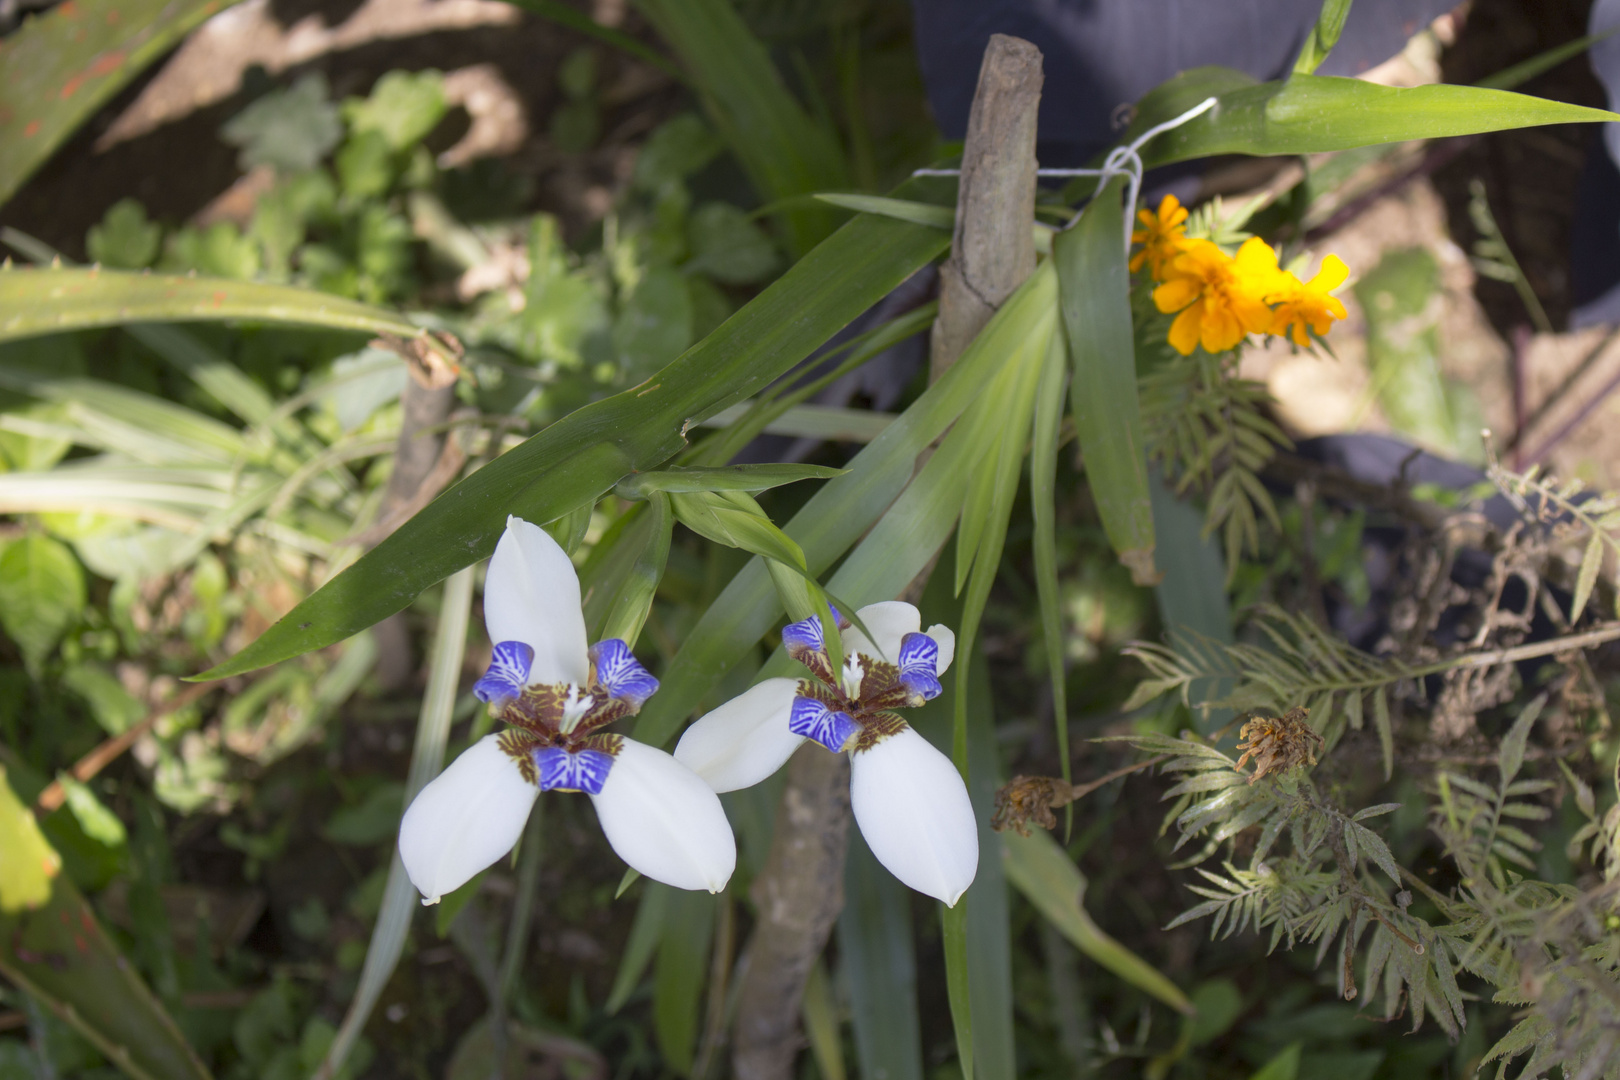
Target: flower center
(850,709)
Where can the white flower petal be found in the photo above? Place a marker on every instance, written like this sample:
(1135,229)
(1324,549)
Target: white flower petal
(889,621)
(464,820)
(743,741)
(532,595)
(913,809)
(665,821)
(945,638)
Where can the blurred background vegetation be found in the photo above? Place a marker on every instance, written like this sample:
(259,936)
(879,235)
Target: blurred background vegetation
(571,193)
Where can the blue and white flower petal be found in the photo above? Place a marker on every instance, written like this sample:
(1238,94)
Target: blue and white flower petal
(467,818)
(532,595)
(919,660)
(814,720)
(664,821)
(914,812)
(621,674)
(890,621)
(805,635)
(508,673)
(578,770)
(745,740)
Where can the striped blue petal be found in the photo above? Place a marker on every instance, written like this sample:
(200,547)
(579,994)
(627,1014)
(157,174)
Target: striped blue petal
(803,636)
(919,665)
(508,673)
(814,720)
(621,674)
(579,770)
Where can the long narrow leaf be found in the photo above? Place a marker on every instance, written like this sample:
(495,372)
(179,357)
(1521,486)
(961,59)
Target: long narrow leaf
(47,301)
(879,967)
(427,758)
(1043,872)
(1095,290)
(782,148)
(63,64)
(57,952)
(1313,114)
(1042,500)
(892,553)
(578,458)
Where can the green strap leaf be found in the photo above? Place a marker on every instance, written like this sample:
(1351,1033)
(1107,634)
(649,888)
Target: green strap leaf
(1044,873)
(63,65)
(907,524)
(52,947)
(958,985)
(879,965)
(688,479)
(918,213)
(1312,114)
(1094,286)
(577,459)
(1043,509)
(36,301)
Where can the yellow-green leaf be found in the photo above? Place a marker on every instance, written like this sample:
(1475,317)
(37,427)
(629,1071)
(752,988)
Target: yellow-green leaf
(28,863)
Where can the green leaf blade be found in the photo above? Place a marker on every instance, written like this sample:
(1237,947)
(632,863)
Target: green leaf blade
(1094,287)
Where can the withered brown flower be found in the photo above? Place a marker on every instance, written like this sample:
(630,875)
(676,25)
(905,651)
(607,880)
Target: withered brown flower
(1278,743)
(1030,799)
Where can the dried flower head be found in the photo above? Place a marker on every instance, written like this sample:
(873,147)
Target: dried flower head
(1027,799)
(1278,743)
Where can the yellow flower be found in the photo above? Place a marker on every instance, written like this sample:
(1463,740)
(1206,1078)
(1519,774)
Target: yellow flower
(1309,303)
(1221,298)
(1162,237)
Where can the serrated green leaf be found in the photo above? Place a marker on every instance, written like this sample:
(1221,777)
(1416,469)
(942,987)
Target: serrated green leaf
(402,107)
(1511,754)
(290,129)
(1591,563)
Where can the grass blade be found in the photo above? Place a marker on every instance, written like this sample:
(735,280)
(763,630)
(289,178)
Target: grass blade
(879,965)
(48,301)
(1042,501)
(1043,872)
(1095,291)
(427,758)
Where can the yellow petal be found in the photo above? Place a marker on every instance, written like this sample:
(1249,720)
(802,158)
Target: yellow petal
(1331,276)
(1176,293)
(1184,331)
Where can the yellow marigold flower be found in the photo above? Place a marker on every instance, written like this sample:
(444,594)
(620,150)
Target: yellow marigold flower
(1221,298)
(1309,303)
(1163,236)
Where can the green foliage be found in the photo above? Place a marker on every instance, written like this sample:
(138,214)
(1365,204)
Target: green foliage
(65,63)
(41,593)
(290,130)
(125,239)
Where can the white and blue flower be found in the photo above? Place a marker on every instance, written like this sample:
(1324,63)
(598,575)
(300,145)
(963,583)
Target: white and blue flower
(660,817)
(907,797)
